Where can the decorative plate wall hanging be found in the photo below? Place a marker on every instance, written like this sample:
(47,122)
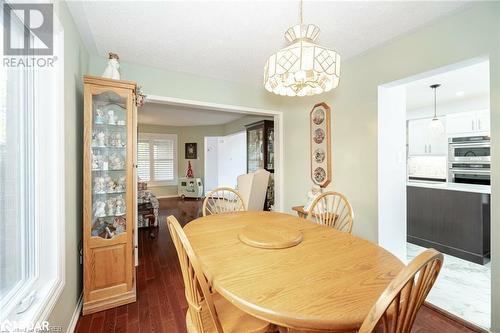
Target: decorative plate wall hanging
(321,171)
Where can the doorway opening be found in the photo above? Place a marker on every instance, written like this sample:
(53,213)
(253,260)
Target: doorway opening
(174,131)
(225,160)
(239,116)
(434,180)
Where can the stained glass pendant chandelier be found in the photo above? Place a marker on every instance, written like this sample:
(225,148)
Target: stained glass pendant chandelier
(303,68)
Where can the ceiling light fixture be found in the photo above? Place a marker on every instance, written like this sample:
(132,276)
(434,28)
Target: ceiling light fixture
(436,126)
(303,68)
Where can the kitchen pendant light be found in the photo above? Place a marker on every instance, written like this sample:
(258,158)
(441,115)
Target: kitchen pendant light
(436,125)
(303,68)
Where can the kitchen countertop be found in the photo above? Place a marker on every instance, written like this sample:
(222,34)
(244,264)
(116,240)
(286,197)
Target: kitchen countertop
(486,189)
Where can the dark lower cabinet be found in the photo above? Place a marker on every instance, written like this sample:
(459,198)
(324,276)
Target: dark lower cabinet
(453,222)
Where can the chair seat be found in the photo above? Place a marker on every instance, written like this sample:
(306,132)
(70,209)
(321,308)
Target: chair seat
(232,319)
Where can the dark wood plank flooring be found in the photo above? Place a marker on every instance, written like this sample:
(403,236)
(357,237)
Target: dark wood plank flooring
(161,306)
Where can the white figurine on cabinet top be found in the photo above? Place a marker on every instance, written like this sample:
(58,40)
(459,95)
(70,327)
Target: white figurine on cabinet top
(111,71)
(100,210)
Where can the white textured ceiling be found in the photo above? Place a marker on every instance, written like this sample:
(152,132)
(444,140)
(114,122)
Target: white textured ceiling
(470,82)
(166,115)
(231,40)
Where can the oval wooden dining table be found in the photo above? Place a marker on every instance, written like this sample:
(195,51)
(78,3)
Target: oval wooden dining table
(328,281)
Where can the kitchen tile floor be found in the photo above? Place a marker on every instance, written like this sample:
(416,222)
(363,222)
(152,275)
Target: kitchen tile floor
(463,288)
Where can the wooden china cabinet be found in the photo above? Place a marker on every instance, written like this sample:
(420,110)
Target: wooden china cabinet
(109,198)
(260,153)
(260,146)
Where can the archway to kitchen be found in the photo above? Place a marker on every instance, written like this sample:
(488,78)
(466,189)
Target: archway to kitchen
(434,180)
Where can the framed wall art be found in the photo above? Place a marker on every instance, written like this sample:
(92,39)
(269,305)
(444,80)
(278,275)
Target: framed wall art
(191,152)
(321,169)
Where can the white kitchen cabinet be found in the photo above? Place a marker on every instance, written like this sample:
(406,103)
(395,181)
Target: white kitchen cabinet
(417,144)
(421,140)
(459,123)
(468,123)
(483,121)
(438,143)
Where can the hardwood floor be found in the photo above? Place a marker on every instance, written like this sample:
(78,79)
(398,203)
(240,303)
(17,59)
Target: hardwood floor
(161,306)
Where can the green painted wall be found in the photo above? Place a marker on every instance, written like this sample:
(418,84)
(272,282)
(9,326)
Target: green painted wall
(76,61)
(466,34)
(155,81)
(194,134)
(184,134)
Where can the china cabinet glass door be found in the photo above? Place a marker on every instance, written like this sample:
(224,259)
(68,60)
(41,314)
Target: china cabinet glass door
(255,153)
(270,148)
(109,155)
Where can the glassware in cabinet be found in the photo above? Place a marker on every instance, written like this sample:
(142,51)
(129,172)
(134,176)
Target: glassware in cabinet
(260,145)
(109,154)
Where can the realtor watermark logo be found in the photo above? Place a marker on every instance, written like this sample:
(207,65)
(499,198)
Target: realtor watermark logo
(36,47)
(8,326)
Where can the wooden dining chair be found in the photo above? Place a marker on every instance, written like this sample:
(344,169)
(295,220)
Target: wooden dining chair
(332,209)
(207,311)
(223,200)
(397,307)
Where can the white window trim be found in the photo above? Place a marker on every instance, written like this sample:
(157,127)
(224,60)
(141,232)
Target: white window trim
(164,136)
(49,271)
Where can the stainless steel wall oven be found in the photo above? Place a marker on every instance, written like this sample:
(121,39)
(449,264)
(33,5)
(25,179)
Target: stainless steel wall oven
(470,149)
(470,160)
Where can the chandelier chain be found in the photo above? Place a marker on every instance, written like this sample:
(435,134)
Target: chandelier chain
(435,102)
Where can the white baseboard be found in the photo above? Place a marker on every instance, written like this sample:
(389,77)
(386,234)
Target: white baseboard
(76,315)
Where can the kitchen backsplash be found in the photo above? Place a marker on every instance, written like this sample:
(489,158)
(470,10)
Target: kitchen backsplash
(427,166)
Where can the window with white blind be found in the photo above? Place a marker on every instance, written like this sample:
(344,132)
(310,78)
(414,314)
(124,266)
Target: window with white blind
(157,158)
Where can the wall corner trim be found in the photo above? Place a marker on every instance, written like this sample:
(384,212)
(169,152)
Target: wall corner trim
(76,315)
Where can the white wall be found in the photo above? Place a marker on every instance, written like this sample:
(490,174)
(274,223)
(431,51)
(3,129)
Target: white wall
(392,169)
(225,160)
(232,158)
(211,163)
